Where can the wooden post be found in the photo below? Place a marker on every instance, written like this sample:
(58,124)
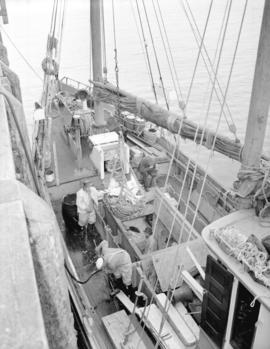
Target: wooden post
(260,98)
(95,17)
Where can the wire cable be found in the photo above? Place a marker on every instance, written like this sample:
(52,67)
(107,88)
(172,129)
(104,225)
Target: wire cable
(21,54)
(146,51)
(155,54)
(207,61)
(175,85)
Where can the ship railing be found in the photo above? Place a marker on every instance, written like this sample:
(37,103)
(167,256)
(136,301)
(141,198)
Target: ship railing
(78,85)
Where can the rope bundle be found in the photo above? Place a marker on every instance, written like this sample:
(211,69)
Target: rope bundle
(123,209)
(234,243)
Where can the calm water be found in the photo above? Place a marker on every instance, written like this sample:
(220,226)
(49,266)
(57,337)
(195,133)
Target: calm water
(30,22)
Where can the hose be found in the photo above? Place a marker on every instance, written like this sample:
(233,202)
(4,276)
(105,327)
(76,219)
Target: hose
(79,281)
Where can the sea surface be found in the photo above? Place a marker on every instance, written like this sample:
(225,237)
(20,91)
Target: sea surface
(29,23)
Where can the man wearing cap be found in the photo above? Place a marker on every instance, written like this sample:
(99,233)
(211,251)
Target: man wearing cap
(117,262)
(148,171)
(86,200)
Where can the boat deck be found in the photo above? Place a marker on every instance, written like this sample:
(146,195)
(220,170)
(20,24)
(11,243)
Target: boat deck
(64,161)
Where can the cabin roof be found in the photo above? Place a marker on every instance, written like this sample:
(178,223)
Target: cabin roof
(248,223)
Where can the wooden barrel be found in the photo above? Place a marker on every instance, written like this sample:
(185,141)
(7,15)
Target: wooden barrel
(139,124)
(129,122)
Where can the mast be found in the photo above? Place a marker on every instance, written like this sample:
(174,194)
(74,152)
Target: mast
(95,24)
(260,97)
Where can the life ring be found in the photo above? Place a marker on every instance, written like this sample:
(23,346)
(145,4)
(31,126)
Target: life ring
(49,66)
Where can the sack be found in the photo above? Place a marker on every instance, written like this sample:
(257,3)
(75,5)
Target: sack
(266,243)
(254,240)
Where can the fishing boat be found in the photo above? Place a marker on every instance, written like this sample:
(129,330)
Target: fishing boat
(206,283)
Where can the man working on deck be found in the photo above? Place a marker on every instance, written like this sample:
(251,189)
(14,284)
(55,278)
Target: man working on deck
(86,200)
(148,171)
(117,262)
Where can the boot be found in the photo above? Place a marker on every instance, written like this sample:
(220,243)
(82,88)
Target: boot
(132,295)
(119,284)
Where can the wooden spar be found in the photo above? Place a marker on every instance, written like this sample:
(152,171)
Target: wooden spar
(260,97)
(95,16)
(166,119)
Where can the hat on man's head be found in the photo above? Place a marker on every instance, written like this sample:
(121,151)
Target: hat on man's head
(99,263)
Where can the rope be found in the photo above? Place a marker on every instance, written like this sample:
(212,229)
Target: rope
(196,32)
(227,87)
(176,148)
(180,235)
(104,55)
(206,118)
(166,183)
(116,62)
(176,86)
(155,54)
(63,12)
(21,54)
(199,52)
(170,52)
(146,52)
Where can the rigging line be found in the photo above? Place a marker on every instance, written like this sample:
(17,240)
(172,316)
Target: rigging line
(63,12)
(116,61)
(170,50)
(199,52)
(194,174)
(146,51)
(211,67)
(167,56)
(201,140)
(206,118)
(226,91)
(104,54)
(20,53)
(208,71)
(197,33)
(162,199)
(216,51)
(155,54)
(183,183)
(149,70)
(55,18)
(197,129)
(52,17)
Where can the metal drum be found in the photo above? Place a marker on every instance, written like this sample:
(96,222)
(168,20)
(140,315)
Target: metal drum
(139,125)
(129,122)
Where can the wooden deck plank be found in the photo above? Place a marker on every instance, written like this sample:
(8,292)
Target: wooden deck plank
(188,318)
(184,331)
(21,320)
(117,324)
(153,319)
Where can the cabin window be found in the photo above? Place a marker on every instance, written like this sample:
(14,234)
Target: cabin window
(245,318)
(216,301)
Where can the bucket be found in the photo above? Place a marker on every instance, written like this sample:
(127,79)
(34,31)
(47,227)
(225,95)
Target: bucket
(49,175)
(129,122)
(139,124)
(150,135)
